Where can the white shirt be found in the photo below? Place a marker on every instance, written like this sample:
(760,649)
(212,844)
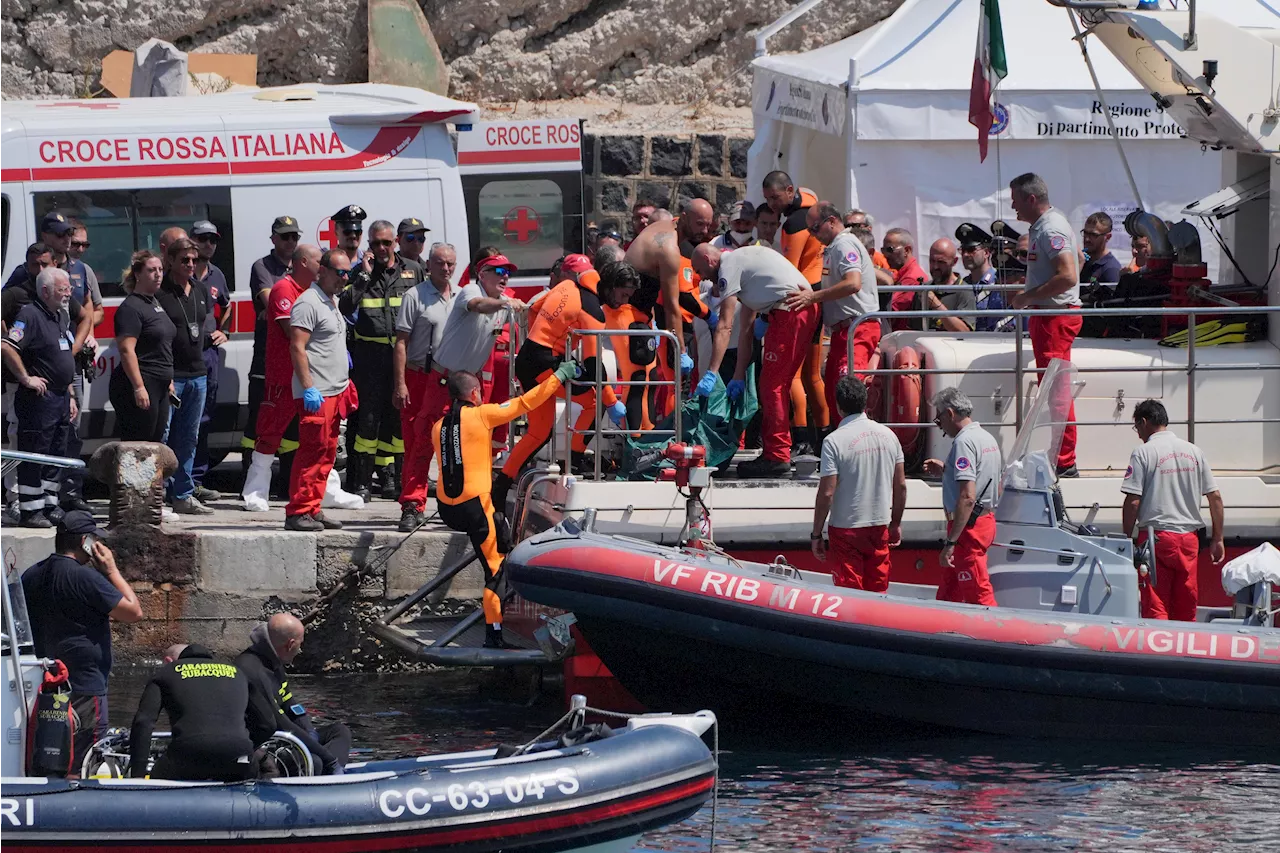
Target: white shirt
(861,454)
(1170,475)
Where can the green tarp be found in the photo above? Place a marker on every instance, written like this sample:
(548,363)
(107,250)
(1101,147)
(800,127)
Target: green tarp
(715,422)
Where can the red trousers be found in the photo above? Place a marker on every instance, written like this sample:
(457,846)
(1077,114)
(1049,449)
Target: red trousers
(1177,586)
(317,448)
(277,411)
(865,340)
(784,347)
(1051,337)
(428,404)
(861,557)
(966,581)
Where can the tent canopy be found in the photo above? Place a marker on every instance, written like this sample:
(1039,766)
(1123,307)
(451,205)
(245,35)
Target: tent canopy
(898,142)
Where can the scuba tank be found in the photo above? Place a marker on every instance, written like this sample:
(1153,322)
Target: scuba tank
(51,731)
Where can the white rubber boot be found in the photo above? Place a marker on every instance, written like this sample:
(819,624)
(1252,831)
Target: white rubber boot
(336,498)
(257,483)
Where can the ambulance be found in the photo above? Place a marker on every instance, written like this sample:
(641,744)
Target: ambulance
(130,168)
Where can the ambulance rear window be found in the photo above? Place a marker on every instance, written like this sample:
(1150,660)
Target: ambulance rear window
(120,222)
(525,219)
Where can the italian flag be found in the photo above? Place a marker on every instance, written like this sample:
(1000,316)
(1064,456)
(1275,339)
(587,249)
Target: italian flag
(989,68)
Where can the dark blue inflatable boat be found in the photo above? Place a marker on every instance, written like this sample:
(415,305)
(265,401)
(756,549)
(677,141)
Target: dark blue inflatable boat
(597,796)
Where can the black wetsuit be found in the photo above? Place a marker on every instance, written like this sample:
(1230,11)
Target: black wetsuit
(329,745)
(217,717)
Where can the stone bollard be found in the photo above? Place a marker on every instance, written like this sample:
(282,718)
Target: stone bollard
(135,471)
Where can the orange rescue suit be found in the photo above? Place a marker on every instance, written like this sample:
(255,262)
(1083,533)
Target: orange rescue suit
(800,247)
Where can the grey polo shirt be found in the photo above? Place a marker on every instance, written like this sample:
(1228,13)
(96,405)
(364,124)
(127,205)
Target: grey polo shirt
(758,276)
(861,454)
(1050,236)
(846,254)
(327,348)
(1170,475)
(423,312)
(468,335)
(974,456)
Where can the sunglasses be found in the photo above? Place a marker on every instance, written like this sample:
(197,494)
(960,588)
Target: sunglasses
(352,232)
(502,271)
(414,238)
(1095,233)
(613,235)
(187,262)
(937,421)
(337,272)
(1021,255)
(77,244)
(375,244)
(201,238)
(290,237)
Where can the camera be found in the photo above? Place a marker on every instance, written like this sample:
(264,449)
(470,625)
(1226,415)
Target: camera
(87,361)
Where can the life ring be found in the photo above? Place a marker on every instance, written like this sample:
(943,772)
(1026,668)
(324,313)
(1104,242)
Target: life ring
(875,389)
(907,387)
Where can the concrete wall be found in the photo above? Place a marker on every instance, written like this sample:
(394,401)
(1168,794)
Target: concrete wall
(619,169)
(212,587)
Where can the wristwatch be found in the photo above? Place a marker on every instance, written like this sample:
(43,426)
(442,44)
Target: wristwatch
(952,542)
(814,537)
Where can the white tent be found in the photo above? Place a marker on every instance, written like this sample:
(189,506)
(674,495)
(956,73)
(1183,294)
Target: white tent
(880,121)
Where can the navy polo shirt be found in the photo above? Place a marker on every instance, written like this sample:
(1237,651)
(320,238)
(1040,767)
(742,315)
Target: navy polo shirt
(69,606)
(44,338)
(143,318)
(185,309)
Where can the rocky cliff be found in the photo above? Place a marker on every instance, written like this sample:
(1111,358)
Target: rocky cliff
(634,51)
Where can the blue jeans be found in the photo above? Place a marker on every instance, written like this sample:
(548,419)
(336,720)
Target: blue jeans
(183,431)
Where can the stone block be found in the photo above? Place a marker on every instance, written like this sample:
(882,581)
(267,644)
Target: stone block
(621,155)
(588,154)
(274,561)
(135,471)
(221,620)
(421,559)
(711,155)
(146,553)
(697,189)
(657,192)
(670,157)
(726,197)
(28,546)
(738,149)
(613,196)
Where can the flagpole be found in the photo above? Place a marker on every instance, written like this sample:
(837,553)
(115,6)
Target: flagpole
(999,178)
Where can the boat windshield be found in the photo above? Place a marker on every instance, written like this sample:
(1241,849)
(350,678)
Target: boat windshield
(1033,460)
(15,609)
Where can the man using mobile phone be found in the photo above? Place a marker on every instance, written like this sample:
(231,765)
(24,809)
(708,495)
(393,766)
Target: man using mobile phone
(72,596)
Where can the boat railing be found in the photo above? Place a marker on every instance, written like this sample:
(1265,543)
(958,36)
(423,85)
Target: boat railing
(11,459)
(574,345)
(1020,371)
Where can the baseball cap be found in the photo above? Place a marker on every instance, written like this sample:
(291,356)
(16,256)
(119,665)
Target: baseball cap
(350,213)
(204,226)
(496,261)
(55,223)
(742,210)
(411,224)
(575,263)
(80,523)
(285,225)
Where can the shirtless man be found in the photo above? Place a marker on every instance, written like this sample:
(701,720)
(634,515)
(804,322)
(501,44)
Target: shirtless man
(655,254)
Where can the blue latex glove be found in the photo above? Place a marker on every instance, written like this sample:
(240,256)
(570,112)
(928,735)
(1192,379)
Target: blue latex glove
(312,399)
(761,326)
(618,412)
(713,319)
(686,364)
(736,389)
(706,384)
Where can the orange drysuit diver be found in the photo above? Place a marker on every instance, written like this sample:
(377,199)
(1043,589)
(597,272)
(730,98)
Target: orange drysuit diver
(805,253)
(570,306)
(462,442)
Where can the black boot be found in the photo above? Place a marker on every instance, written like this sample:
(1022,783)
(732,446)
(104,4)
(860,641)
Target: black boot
(800,443)
(493,638)
(280,481)
(501,485)
(387,483)
(763,469)
(358,473)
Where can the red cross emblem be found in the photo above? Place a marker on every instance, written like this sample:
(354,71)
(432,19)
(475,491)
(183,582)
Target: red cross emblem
(521,223)
(327,235)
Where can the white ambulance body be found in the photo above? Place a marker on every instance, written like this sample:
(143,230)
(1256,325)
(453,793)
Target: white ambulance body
(130,168)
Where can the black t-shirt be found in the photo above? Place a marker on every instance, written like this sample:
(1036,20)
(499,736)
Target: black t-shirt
(143,317)
(216,283)
(69,606)
(187,312)
(44,339)
(1104,270)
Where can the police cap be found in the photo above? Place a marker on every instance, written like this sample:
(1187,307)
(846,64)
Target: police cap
(55,223)
(410,225)
(1000,228)
(970,236)
(80,523)
(285,225)
(352,213)
(204,227)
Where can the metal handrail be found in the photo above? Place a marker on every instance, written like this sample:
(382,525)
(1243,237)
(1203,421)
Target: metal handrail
(11,459)
(674,382)
(1020,314)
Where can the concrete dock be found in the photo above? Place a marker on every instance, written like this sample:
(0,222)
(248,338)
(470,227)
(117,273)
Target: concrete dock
(210,579)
